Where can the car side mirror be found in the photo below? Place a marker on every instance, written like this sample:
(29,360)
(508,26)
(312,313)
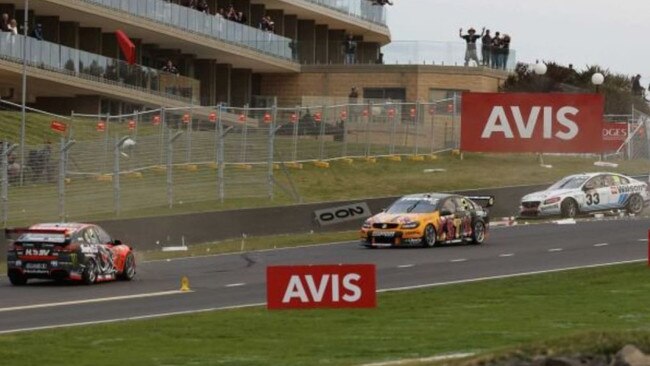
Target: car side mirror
(117,242)
(445,212)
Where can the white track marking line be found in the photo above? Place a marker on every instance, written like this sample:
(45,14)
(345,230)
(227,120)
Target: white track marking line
(643,240)
(141,317)
(236,285)
(396,289)
(555,250)
(406,266)
(92,301)
(458,260)
(451,356)
(601,244)
(505,255)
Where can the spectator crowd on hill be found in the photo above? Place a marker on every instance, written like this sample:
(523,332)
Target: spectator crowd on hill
(495,49)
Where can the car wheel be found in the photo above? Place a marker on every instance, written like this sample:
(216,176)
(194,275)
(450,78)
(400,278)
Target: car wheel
(89,275)
(569,208)
(478,232)
(17,279)
(129,268)
(634,205)
(429,239)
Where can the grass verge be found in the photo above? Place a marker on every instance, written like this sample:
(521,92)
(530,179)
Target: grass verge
(472,317)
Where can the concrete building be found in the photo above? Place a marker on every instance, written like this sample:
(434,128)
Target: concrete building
(78,65)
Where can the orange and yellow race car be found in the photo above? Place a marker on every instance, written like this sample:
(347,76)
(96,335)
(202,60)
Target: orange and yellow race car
(429,219)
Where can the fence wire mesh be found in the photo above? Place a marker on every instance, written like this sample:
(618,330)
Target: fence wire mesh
(85,167)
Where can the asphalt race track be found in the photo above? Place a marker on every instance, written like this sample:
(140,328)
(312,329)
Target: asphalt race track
(239,279)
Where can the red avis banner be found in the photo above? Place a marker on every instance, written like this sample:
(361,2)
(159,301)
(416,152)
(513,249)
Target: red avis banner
(614,135)
(328,286)
(526,122)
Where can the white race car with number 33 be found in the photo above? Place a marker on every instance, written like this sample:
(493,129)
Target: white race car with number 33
(585,193)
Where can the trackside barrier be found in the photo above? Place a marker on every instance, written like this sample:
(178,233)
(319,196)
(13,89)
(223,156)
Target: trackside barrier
(103,165)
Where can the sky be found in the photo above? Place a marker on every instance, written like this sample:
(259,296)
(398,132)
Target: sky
(612,34)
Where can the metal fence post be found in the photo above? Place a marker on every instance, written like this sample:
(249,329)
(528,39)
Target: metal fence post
(65,146)
(321,145)
(116,174)
(453,123)
(188,156)
(5,150)
(220,154)
(274,115)
(170,168)
(393,128)
(163,128)
(432,112)
(296,123)
(369,119)
(416,121)
(244,139)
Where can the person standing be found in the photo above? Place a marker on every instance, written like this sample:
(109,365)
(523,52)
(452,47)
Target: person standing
(496,50)
(470,38)
(350,50)
(505,51)
(4,23)
(486,48)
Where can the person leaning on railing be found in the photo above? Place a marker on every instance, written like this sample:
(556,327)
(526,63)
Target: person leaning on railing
(169,78)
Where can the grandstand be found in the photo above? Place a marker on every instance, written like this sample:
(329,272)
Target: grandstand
(79,66)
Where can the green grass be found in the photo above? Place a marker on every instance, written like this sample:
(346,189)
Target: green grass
(478,317)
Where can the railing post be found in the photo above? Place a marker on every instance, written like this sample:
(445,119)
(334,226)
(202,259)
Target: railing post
(220,154)
(321,145)
(294,153)
(63,156)
(274,115)
(416,121)
(368,123)
(188,156)
(244,139)
(432,110)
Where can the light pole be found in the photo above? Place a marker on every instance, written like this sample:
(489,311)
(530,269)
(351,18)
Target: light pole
(597,79)
(540,69)
(24,94)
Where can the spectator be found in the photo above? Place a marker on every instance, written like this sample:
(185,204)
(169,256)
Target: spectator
(470,38)
(494,55)
(350,49)
(203,7)
(637,89)
(4,23)
(38,32)
(241,18)
(13,27)
(486,48)
(504,51)
(170,68)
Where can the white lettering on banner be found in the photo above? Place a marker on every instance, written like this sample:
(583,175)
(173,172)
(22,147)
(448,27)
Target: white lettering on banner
(296,289)
(614,133)
(37,252)
(498,123)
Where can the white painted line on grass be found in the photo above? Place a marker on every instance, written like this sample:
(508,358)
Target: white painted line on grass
(458,260)
(505,255)
(601,244)
(406,266)
(236,285)
(451,356)
(92,301)
(555,250)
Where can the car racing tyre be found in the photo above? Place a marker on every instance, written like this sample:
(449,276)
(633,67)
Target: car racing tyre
(129,268)
(429,239)
(17,279)
(89,275)
(634,205)
(569,208)
(478,232)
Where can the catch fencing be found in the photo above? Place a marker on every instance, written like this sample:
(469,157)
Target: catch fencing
(86,167)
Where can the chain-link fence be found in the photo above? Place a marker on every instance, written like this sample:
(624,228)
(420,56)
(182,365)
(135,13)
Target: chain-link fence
(83,167)
(629,135)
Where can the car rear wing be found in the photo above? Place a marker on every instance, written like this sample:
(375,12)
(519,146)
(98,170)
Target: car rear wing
(12,234)
(484,201)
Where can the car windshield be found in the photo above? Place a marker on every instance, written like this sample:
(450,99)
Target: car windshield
(410,205)
(569,182)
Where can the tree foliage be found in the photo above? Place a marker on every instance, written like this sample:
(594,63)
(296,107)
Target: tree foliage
(616,88)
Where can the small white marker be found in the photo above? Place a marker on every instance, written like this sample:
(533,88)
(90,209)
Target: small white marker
(458,260)
(236,285)
(601,245)
(555,250)
(643,240)
(406,266)
(507,255)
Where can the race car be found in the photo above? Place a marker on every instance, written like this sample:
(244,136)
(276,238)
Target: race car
(67,251)
(427,220)
(589,192)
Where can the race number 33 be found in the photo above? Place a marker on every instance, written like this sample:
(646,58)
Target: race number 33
(323,286)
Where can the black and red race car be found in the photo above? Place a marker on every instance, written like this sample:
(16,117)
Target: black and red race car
(67,251)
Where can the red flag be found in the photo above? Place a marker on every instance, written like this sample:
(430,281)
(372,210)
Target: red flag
(128,48)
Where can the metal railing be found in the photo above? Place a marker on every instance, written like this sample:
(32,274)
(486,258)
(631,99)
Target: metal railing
(74,62)
(219,28)
(362,9)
